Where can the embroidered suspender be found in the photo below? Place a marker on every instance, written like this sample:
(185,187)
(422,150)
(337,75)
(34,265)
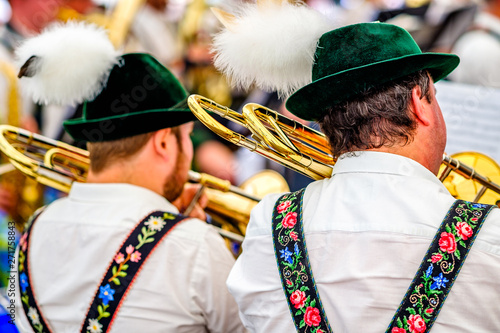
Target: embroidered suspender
(118,279)
(35,317)
(427,292)
(439,268)
(293,264)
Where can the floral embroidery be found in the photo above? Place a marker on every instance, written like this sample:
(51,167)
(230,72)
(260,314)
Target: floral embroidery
(106,294)
(398,330)
(23,281)
(155,223)
(439,268)
(127,258)
(298,299)
(416,324)
(27,298)
(464,230)
(298,283)
(283,206)
(94,326)
(117,279)
(33,316)
(23,241)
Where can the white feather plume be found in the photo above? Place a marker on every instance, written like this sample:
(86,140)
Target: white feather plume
(72,65)
(271,46)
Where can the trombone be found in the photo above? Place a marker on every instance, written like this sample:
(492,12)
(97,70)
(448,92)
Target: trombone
(307,151)
(57,164)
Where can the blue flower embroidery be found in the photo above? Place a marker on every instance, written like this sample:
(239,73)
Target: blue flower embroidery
(428,272)
(23,282)
(106,293)
(479,206)
(287,255)
(296,249)
(439,282)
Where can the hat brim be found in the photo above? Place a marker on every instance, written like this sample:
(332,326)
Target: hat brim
(125,125)
(311,101)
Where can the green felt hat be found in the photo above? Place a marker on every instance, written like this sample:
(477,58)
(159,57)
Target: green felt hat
(140,96)
(354,58)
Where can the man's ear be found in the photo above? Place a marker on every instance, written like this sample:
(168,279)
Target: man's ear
(420,106)
(161,142)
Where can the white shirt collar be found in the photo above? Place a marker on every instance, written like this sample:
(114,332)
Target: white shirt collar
(117,192)
(385,163)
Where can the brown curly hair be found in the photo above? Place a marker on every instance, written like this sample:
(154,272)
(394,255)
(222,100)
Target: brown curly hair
(380,116)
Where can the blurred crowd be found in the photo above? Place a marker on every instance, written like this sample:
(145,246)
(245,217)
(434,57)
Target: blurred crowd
(179,33)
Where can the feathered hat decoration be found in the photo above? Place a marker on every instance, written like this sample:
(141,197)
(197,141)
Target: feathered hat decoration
(270,44)
(66,64)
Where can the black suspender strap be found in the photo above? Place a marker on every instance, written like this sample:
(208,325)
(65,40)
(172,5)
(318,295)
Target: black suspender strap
(294,267)
(439,268)
(124,268)
(427,292)
(30,307)
(121,273)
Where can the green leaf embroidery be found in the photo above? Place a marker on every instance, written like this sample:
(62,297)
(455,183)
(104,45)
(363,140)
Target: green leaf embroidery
(116,281)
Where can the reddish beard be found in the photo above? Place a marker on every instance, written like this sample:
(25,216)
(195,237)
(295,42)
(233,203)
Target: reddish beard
(174,185)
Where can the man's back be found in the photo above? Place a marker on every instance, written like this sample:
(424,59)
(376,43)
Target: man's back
(179,288)
(367,230)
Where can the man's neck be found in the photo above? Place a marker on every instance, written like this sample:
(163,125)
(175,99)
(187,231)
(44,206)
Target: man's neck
(418,153)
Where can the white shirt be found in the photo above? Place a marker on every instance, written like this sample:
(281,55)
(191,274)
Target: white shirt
(181,287)
(367,229)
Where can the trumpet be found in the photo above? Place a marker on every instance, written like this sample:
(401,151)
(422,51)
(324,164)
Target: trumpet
(58,165)
(307,151)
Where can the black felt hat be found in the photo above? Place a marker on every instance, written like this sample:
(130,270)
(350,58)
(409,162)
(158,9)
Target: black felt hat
(140,96)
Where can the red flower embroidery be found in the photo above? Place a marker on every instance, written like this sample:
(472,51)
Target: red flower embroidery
(320,331)
(435,258)
(447,242)
(463,230)
(283,206)
(294,235)
(298,299)
(398,330)
(23,242)
(119,258)
(289,220)
(288,282)
(312,317)
(474,219)
(416,323)
(429,310)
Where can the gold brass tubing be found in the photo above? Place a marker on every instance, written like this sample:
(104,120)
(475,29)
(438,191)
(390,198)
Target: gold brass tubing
(469,173)
(200,106)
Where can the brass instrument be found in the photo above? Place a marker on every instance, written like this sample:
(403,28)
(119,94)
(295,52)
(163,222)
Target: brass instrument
(58,165)
(306,150)
(26,193)
(471,165)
